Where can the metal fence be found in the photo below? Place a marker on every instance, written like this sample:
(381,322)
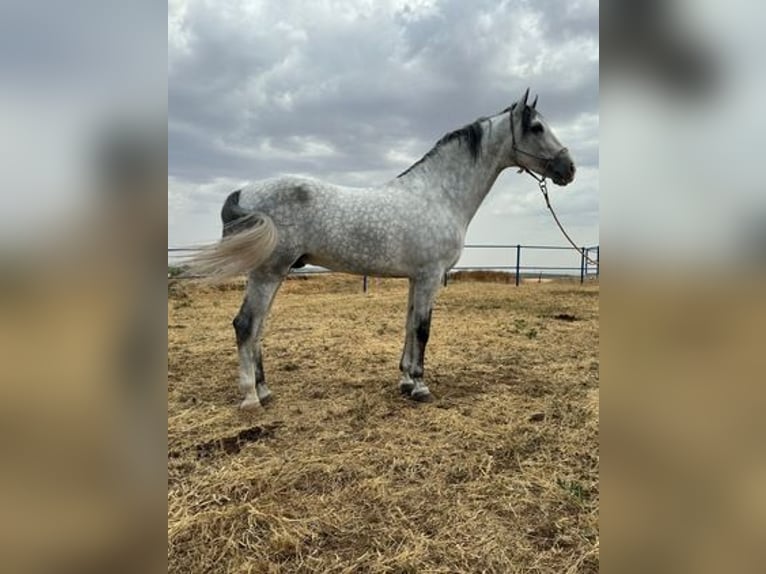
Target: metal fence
(517,259)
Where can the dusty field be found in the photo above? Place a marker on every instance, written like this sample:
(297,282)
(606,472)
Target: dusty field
(341,474)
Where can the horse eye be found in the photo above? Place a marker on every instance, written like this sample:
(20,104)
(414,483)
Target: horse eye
(537,129)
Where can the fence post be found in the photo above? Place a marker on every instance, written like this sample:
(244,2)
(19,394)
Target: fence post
(445,278)
(518,263)
(598,260)
(364,284)
(582,265)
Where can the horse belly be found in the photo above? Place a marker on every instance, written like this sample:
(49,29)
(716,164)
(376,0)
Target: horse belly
(361,259)
(388,244)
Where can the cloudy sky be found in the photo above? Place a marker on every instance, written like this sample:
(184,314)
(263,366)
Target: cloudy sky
(353,92)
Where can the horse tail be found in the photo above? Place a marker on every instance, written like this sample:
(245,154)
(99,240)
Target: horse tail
(249,238)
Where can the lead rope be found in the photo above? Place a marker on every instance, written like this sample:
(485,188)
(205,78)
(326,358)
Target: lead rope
(543,184)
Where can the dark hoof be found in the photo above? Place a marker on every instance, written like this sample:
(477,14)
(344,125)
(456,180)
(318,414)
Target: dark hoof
(406,389)
(422,397)
(266,400)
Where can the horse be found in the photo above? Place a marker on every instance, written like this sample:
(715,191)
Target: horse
(410,227)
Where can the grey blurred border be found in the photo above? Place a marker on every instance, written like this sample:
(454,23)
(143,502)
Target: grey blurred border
(683,252)
(83,211)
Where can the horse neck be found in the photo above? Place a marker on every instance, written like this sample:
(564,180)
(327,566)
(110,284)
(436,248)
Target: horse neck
(452,176)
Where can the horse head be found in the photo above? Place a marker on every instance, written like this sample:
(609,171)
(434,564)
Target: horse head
(533,145)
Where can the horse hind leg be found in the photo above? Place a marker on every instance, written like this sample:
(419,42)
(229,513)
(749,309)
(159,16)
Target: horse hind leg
(263,392)
(406,384)
(248,328)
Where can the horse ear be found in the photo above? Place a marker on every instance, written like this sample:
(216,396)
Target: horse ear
(526,118)
(525,98)
(534,104)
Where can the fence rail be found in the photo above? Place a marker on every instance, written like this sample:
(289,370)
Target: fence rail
(585,269)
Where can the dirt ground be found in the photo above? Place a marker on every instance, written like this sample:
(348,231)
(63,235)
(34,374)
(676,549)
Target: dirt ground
(342,474)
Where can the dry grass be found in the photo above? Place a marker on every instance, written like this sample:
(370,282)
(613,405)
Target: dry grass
(341,474)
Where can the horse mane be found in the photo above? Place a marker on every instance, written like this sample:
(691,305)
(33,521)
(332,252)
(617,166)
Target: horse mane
(470,135)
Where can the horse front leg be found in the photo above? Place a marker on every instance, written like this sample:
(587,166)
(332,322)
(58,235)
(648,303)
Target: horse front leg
(423,290)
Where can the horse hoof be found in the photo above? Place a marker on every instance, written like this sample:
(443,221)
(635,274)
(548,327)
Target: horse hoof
(406,388)
(250,404)
(266,399)
(422,396)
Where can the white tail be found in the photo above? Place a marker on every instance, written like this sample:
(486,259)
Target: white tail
(236,254)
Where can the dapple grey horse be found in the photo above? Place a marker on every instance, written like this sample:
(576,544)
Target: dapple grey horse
(413,226)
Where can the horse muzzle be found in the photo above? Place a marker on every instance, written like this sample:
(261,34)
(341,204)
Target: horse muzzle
(562,170)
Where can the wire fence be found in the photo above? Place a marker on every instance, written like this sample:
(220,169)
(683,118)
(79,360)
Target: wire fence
(518,260)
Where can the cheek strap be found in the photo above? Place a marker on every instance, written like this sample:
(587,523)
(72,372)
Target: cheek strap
(518,150)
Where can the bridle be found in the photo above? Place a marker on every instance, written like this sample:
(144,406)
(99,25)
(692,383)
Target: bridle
(542,182)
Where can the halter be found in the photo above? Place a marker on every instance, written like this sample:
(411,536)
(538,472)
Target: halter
(547,160)
(543,183)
